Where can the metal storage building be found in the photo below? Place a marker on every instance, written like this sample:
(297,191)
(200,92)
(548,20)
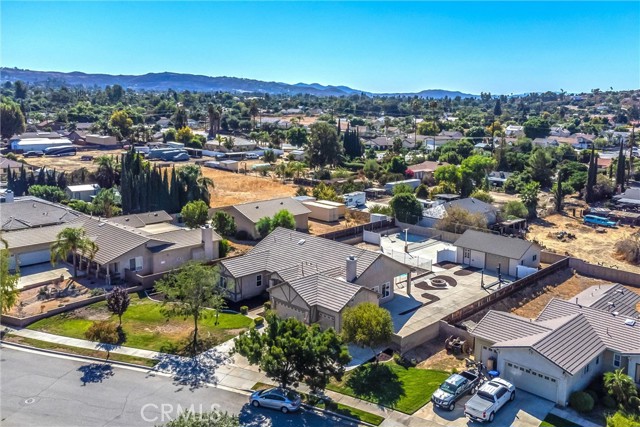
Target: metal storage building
(38,144)
(342,208)
(322,212)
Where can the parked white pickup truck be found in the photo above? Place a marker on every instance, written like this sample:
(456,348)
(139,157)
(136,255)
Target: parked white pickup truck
(489,399)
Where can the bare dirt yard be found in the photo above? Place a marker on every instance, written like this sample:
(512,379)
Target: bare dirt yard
(590,245)
(70,163)
(235,188)
(530,302)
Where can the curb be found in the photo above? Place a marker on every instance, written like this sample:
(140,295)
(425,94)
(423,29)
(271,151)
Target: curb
(344,417)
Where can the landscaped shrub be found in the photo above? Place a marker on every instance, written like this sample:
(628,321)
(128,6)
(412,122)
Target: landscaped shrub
(259,321)
(103,332)
(581,401)
(634,403)
(242,235)
(609,402)
(267,305)
(593,395)
(244,309)
(224,248)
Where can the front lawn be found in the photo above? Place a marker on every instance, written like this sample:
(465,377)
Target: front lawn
(555,421)
(392,385)
(145,326)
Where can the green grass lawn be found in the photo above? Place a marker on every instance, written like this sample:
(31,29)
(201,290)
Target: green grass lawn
(554,421)
(338,408)
(80,351)
(145,326)
(389,384)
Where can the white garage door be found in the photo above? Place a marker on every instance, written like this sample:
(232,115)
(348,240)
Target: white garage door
(36,257)
(531,380)
(477,259)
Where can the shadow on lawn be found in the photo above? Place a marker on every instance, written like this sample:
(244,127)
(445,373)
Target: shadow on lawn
(377,383)
(95,372)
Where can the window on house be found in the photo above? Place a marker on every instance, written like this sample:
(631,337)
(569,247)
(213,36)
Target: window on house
(467,253)
(259,280)
(386,290)
(597,360)
(585,369)
(535,257)
(617,360)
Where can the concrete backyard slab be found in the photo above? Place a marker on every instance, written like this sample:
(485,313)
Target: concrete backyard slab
(527,410)
(42,273)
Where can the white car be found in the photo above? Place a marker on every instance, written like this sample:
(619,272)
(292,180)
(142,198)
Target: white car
(488,400)
(251,156)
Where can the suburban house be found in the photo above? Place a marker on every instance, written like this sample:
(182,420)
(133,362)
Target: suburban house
(102,140)
(424,169)
(311,278)
(470,204)
(567,345)
(247,215)
(11,165)
(498,178)
(545,142)
(630,197)
(514,131)
(84,192)
(164,122)
(78,137)
(138,252)
(583,141)
(493,252)
(559,131)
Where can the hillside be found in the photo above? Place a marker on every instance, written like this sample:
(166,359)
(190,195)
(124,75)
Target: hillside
(193,82)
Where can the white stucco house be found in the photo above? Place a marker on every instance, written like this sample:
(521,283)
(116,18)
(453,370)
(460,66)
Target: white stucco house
(568,345)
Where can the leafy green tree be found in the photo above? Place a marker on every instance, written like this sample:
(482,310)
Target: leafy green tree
(449,174)
(476,169)
(188,292)
(536,127)
(324,148)
(20,89)
(515,209)
(428,127)
(458,220)
(8,281)
(529,196)
(367,325)
(406,208)
(323,191)
(118,302)
(224,223)
(181,118)
(284,219)
(48,192)
(483,196)
(122,123)
(397,165)
(184,135)
(70,240)
(290,352)
(270,156)
(106,203)
(476,132)
(264,226)
(204,419)
(497,109)
(371,168)
(103,332)
(11,119)
(539,167)
(402,189)
(422,192)
(195,214)
(107,174)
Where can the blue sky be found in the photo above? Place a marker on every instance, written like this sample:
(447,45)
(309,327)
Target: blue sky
(501,47)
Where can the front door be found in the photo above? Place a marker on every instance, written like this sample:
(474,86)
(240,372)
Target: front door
(466,256)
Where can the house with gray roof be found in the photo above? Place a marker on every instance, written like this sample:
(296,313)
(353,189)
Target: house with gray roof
(567,345)
(32,212)
(311,278)
(84,192)
(247,215)
(493,252)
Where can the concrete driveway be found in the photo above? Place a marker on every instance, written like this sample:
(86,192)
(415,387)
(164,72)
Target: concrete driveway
(526,410)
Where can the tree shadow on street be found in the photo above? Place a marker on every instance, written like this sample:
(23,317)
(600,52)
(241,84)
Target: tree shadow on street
(377,383)
(95,372)
(192,372)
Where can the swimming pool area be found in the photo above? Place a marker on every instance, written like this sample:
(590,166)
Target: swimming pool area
(411,238)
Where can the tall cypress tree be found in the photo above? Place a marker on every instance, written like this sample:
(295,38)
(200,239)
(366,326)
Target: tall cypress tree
(620,168)
(591,176)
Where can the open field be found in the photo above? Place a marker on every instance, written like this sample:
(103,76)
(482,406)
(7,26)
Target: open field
(70,163)
(145,326)
(235,188)
(589,245)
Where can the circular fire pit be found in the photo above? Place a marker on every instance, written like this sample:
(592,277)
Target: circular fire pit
(438,283)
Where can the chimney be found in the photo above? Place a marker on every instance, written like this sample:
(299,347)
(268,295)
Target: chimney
(207,240)
(352,268)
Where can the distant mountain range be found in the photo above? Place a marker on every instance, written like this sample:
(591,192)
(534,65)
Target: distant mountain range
(192,82)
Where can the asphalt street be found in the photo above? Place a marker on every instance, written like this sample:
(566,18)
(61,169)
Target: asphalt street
(44,390)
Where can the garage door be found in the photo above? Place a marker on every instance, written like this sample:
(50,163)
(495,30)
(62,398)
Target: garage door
(36,257)
(493,261)
(531,380)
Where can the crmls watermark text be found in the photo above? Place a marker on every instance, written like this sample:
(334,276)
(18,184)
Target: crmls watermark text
(164,412)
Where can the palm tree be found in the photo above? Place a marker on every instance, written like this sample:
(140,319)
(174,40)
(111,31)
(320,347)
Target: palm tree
(620,386)
(297,168)
(70,240)
(253,110)
(106,174)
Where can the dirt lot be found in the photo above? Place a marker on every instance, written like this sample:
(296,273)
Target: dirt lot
(499,199)
(589,245)
(319,227)
(234,188)
(529,302)
(70,163)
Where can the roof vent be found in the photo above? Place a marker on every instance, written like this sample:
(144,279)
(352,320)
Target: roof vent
(630,322)
(615,313)
(301,241)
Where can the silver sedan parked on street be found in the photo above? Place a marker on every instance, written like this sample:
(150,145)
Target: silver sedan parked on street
(277,398)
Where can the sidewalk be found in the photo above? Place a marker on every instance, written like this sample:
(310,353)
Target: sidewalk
(573,416)
(74,342)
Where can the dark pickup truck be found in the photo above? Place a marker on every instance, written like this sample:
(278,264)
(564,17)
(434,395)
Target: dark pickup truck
(454,387)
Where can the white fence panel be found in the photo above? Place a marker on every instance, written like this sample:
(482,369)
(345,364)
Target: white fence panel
(447,255)
(371,237)
(524,271)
